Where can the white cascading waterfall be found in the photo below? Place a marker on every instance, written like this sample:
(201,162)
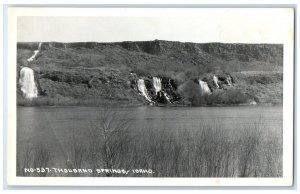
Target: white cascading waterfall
(157,84)
(40,46)
(204,87)
(142,88)
(167,97)
(33,56)
(35,53)
(229,81)
(27,83)
(216,81)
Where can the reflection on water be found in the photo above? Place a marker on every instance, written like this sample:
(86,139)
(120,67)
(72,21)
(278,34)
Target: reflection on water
(34,119)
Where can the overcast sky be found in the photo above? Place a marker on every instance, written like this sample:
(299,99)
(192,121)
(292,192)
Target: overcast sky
(218,25)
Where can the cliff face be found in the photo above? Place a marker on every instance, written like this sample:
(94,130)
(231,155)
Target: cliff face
(243,52)
(108,70)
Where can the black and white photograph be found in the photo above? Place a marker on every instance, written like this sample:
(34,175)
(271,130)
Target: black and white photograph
(152,94)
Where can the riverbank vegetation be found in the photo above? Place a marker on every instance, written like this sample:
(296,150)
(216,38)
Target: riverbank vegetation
(191,93)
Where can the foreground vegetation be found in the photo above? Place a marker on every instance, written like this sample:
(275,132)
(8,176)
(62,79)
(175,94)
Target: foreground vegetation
(211,151)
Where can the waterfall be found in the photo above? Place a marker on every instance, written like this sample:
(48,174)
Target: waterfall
(33,56)
(157,84)
(35,53)
(27,83)
(216,80)
(142,88)
(204,87)
(40,46)
(229,81)
(167,97)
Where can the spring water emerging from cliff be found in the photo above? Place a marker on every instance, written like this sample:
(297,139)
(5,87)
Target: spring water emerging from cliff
(27,83)
(229,81)
(216,80)
(35,53)
(142,88)
(157,84)
(204,87)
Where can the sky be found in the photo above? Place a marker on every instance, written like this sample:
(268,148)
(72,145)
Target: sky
(185,25)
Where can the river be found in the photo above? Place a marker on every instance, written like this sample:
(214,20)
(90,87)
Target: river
(52,125)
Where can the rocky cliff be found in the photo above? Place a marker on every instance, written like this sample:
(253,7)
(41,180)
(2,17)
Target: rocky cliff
(93,72)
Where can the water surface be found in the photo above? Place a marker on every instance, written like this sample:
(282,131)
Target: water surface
(52,125)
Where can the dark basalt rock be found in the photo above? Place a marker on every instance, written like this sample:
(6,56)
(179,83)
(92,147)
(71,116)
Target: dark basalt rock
(160,98)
